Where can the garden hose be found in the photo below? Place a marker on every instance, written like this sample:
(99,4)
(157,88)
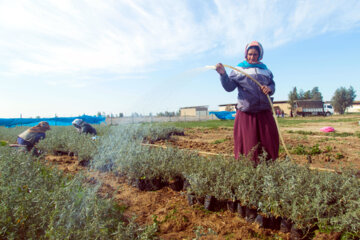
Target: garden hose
(272,107)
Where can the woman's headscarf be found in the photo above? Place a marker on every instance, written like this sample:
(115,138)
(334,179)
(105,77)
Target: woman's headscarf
(246,64)
(41,127)
(77,122)
(255,44)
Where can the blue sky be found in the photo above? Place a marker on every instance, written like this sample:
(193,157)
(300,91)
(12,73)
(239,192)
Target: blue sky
(69,58)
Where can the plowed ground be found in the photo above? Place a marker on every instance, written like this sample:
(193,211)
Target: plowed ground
(170,209)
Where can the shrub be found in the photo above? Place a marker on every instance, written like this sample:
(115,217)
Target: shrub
(38,202)
(280,188)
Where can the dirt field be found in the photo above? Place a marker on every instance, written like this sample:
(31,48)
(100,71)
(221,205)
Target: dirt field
(335,151)
(178,220)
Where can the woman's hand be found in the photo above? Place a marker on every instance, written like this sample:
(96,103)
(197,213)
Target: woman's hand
(220,68)
(265,89)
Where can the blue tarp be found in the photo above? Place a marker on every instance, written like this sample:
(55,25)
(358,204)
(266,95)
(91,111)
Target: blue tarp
(224,115)
(56,121)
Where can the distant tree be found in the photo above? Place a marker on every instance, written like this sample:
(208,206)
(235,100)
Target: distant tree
(121,115)
(301,94)
(342,99)
(306,95)
(167,114)
(293,96)
(316,94)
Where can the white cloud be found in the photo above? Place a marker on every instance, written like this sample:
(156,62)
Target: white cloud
(130,36)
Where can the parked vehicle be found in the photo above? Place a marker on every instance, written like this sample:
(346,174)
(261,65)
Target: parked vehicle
(328,109)
(312,108)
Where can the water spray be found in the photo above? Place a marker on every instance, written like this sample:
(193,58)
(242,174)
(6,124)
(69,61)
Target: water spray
(272,107)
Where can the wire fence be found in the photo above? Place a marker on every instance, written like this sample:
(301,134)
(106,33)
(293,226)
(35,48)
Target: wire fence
(150,119)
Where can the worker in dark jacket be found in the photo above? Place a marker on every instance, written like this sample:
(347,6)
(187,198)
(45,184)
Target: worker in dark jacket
(33,135)
(83,127)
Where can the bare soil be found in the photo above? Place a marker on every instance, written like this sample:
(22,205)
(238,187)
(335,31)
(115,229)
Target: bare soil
(335,152)
(178,220)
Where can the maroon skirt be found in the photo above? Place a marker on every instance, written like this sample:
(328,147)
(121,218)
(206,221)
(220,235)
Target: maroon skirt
(255,133)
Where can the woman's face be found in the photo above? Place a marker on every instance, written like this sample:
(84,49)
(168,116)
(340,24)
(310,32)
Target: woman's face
(252,56)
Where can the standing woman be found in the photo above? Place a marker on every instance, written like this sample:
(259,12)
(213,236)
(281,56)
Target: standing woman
(255,130)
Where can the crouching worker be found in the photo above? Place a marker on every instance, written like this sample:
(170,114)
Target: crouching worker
(83,127)
(33,135)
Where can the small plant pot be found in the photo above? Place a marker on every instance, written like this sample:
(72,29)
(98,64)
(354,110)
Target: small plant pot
(140,184)
(212,204)
(285,225)
(108,167)
(200,200)
(262,221)
(241,210)
(84,163)
(36,152)
(60,153)
(149,184)
(191,198)
(177,184)
(156,184)
(274,223)
(186,185)
(209,202)
(232,205)
(250,214)
(296,233)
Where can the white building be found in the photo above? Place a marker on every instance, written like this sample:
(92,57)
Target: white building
(355,108)
(194,111)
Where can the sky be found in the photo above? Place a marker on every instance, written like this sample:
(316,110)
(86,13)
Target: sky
(74,57)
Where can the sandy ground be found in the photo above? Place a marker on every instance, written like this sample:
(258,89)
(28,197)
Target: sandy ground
(178,220)
(336,152)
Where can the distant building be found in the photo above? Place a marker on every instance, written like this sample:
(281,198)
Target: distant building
(194,111)
(281,105)
(355,108)
(230,107)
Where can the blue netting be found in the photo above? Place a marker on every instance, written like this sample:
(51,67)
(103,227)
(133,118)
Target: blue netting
(224,115)
(57,121)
